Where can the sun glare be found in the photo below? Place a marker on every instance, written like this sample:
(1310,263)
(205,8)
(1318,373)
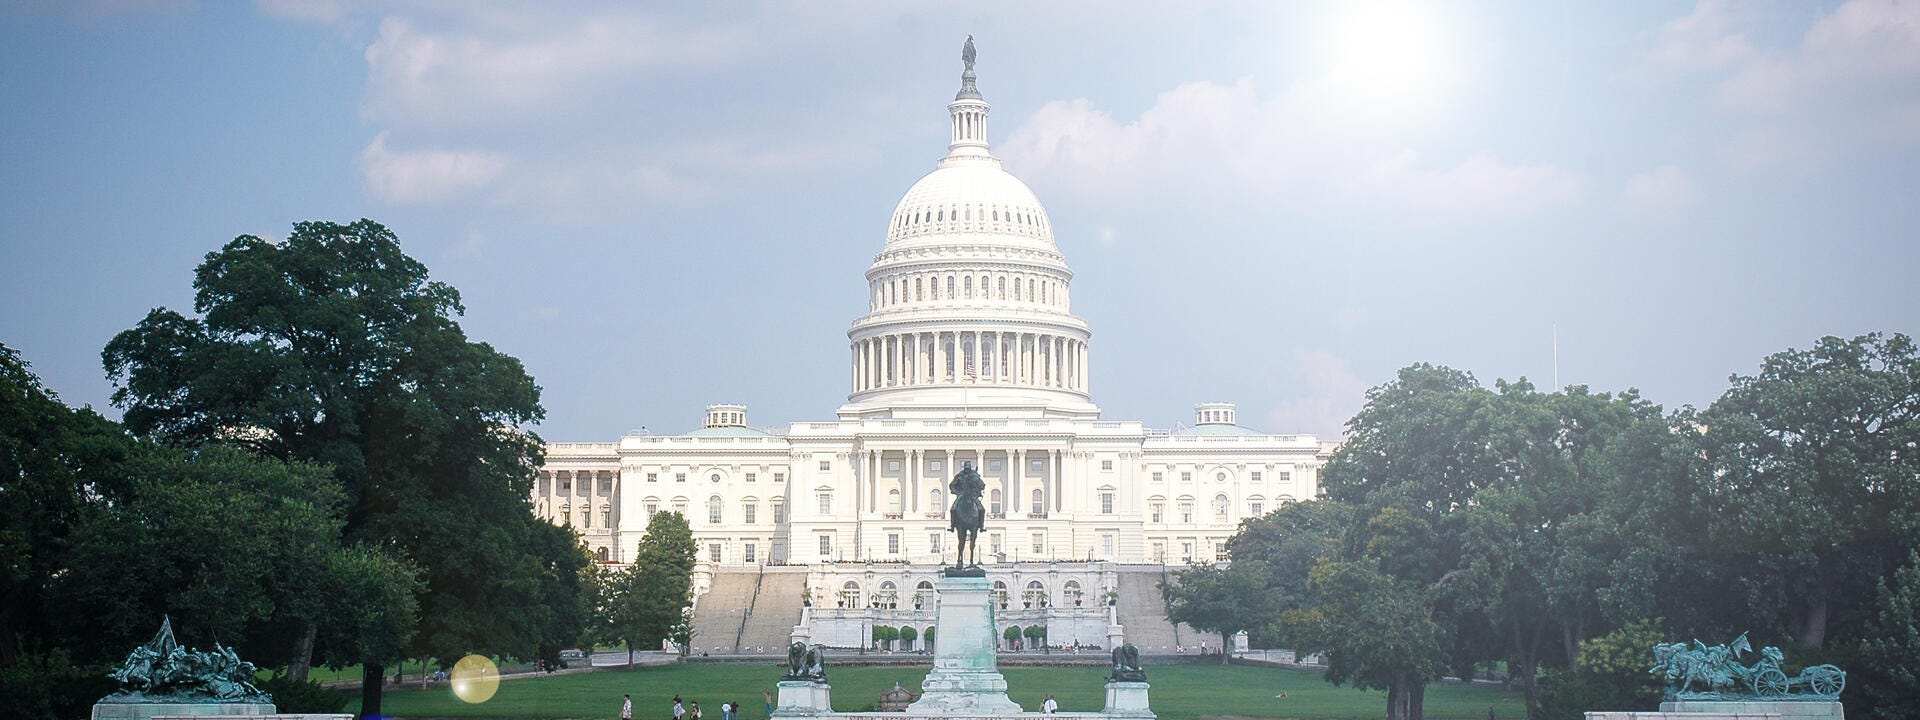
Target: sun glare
(1389,55)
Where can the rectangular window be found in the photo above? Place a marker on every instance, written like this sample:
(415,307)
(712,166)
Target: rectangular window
(749,553)
(1159,552)
(1258,508)
(1159,477)
(993,543)
(779,513)
(1186,477)
(651,509)
(1106,545)
(679,477)
(826,545)
(1106,503)
(1286,476)
(779,477)
(713,552)
(1186,552)
(826,503)
(826,465)
(566,487)
(993,464)
(933,541)
(1220,552)
(1036,464)
(606,486)
(749,512)
(750,477)
(1256,476)
(936,466)
(1159,512)
(893,466)
(893,543)
(1039,544)
(653,477)
(1106,465)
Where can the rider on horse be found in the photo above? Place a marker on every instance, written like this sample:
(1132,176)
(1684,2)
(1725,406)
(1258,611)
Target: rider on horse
(969,514)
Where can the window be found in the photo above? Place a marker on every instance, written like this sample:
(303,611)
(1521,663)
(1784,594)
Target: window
(893,500)
(1256,508)
(1186,552)
(714,478)
(1159,552)
(1106,545)
(826,502)
(1220,477)
(893,466)
(605,556)
(1157,510)
(936,466)
(566,487)
(993,543)
(1036,464)
(994,505)
(933,541)
(1000,594)
(1106,502)
(936,502)
(749,512)
(893,543)
(713,552)
(653,477)
(679,477)
(826,465)
(1220,552)
(779,477)
(1286,476)
(1186,510)
(826,545)
(779,512)
(1035,596)
(680,506)
(751,477)
(606,516)
(993,464)
(850,594)
(1106,465)
(1256,476)
(1221,507)
(1159,477)
(1039,503)
(713,510)
(566,514)
(1186,477)
(1039,543)
(606,486)
(747,553)
(652,508)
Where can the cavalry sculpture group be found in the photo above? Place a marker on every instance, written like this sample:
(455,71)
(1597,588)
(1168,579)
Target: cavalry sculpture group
(1698,671)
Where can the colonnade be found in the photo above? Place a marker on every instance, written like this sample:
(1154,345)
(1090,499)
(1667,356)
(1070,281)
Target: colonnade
(987,357)
(916,484)
(946,287)
(577,500)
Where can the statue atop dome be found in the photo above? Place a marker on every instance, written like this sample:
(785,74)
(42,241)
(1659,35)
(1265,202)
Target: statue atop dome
(966,53)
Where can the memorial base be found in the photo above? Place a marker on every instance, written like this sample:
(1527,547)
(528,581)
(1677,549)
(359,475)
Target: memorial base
(1127,699)
(1732,710)
(803,698)
(144,711)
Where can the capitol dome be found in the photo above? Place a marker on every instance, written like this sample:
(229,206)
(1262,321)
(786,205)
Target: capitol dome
(969,299)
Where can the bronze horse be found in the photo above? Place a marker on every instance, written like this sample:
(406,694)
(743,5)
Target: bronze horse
(968,514)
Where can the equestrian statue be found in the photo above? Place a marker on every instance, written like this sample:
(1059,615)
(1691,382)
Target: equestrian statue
(968,515)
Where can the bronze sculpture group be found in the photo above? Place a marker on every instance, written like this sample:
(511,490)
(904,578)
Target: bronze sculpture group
(805,662)
(162,671)
(1718,670)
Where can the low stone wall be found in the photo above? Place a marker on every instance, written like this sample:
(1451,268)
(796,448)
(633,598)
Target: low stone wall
(1641,715)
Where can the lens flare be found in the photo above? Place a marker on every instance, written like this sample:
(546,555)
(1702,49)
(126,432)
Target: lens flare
(475,679)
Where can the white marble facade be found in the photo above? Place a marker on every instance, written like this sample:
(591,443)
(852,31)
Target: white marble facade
(970,353)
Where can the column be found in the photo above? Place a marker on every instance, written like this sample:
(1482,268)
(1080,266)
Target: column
(1019,467)
(1057,485)
(939,357)
(911,503)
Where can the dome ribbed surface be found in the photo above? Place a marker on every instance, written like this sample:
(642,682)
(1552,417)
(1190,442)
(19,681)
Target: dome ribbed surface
(972,197)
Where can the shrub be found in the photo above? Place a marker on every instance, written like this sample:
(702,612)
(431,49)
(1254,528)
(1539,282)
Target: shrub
(292,696)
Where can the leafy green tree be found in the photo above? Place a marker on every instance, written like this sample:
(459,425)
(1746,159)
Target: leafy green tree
(1815,478)
(1892,642)
(334,347)
(907,636)
(1611,674)
(1036,636)
(1280,550)
(1219,598)
(652,595)
(1011,635)
(1377,631)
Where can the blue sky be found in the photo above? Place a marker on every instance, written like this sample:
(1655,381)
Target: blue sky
(1276,204)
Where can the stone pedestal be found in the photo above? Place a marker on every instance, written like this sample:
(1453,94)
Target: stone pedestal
(143,711)
(1127,699)
(966,677)
(803,698)
(1784,709)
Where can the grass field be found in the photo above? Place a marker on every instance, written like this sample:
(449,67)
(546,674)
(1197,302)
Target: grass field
(1180,692)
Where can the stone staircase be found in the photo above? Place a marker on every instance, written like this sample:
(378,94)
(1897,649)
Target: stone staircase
(1143,615)
(748,611)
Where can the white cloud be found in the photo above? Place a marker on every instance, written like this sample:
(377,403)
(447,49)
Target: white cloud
(473,71)
(1661,191)
(1333,393)
(1852,82)
(1204,139)
(425,176)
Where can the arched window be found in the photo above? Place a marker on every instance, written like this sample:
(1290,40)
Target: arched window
(1003,288)
(919,289)
(1000,594)
(1035,596)
(1016,288)
(949,286)
(893,500)
(936,501)
(1221,506)
(713,509)
(850,594)
(888,596)
(966,285)
(1070,593)
(994,506)
(1039,502)
(922,595)
(605,556)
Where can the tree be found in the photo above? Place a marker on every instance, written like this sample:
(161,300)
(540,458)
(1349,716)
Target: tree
(334,347)
(653,593)
(1813,469)
(1219,598)
(1036,636)
(1892,642)
(1012,636)
(907,636)
(930,633)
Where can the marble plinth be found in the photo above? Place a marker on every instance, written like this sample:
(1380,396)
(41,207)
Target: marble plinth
(145,711)
(803,698)
(1785,709)
(1127,699)
(966,678)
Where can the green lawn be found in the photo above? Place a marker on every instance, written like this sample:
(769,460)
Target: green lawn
(1182,692)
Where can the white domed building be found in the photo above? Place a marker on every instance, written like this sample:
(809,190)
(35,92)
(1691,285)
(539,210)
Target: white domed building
(969,353)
